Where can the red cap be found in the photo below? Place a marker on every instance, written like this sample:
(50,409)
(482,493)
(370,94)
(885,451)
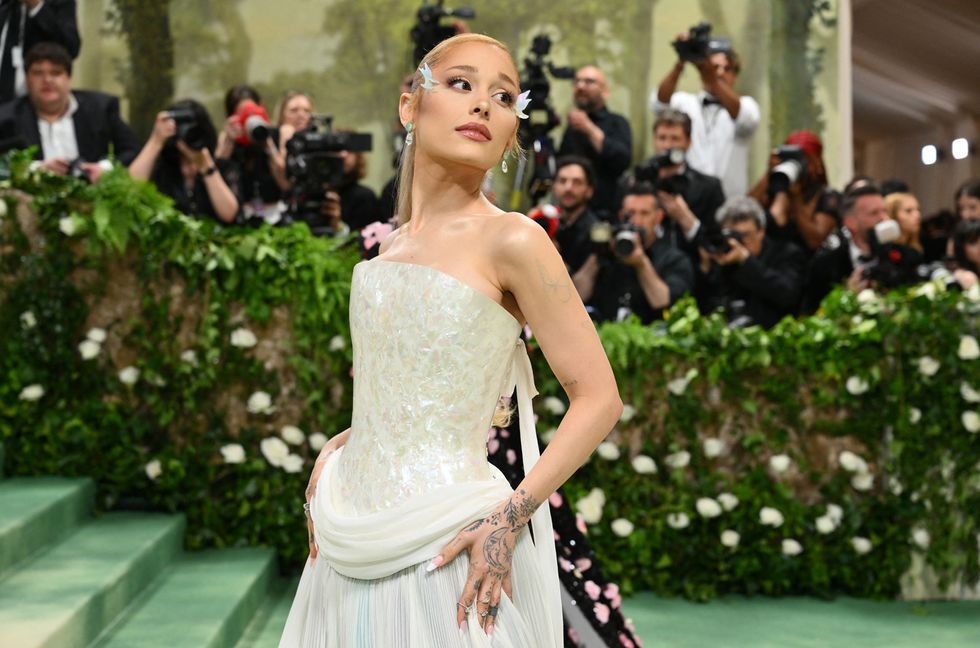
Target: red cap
(808,141)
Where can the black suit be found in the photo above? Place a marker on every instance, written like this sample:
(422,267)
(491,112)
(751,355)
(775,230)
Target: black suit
(98,127)
(831,265)
(55,22)
(609,164)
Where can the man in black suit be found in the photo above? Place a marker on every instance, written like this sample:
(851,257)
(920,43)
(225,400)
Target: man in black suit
(69,126)
(755,278)
(24,24)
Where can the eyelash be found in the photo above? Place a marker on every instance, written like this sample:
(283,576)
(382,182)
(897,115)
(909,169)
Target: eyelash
(508,98)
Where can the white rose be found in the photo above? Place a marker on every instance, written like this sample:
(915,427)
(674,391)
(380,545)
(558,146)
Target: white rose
(317,441)
(791,547)
(770,517)
(153,469)
(969,349)
(644,465)
(835,513)
(591,505)
(713,448)
(292,434)
(678,520)
(727,501)
(861,545)
(259,403)
(190,357)
(608,451)
(852,462)
(971,421)
(89,349)
(31,393)
(678,459)
(825,524)
(337,343)
(730,538)
(622,527)
(554,405)
(67,225)
(856,385)
(96,335)
(927,290)
(895,486)
(129,375)
(867,296)
(243,338)
(707,507)
(973,294)
(968,393)
(628,413)
(677,386)
(27,319)
(233,453)
(292,463)
(928,366)
(274,450)
(779,463)
(862,481)
(915,415)
(921,538)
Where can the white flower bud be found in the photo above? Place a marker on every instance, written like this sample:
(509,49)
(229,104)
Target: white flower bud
(317,440)
(554,405)
(678,520)
(628,413)
(713,448)
(96,335)
(791,547)
(969,349)
(707,507)
(852,462)
(292,434)
(861,545)
(591,505)
(862,481)
(153,469)
(233,453)
(129,375)
(727,501)
(644,465)
(678,459)
(730,538)
(915,415)
(835,513)
(31,393)
(292,463)
(89,349)
(27,319)
(921,538)
(67,225)
(825,524)
(259,403)
(971,421)
(968,393)
(190,357)
(243,338)
(779,463)
(337,343)
(622,527)
(928,366)
(274,450)
(770,517)
(856,385)
(608,451)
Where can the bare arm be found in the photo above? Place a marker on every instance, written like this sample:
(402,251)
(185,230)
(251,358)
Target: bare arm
(669,84)
(222,198)
(142,167)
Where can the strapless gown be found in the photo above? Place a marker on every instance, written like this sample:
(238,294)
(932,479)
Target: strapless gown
(432,356)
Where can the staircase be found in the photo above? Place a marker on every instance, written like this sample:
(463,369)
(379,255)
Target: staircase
(68,580)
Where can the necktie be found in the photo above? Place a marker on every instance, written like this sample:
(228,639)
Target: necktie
(710,101)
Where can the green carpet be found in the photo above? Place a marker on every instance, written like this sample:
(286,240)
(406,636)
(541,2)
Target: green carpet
(734,622)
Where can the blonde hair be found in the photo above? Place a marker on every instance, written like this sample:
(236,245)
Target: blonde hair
(289,96)
(893,205)
(406,174)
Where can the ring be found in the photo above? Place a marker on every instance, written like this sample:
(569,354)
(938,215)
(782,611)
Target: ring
(492,611)
(486,599)
(466,608)
(306,507)
(483,615)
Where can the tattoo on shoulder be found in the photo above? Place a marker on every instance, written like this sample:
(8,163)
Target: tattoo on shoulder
(561,289)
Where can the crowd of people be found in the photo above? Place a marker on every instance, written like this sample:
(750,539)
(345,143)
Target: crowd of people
(686,221)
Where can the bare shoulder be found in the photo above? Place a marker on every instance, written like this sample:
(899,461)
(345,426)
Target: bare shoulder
(386,243)
(517,243)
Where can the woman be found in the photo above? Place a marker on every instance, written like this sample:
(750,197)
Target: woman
(183,171)
(295,114)
(904,209)
(966,253)
(414,539)
(968,200)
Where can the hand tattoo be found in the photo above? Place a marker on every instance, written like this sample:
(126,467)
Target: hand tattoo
(497,552)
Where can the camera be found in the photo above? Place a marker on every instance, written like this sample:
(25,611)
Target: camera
(715,240)
(621,237)
(75,170)
(649,172)
(254,121)
(791,167)
(695,47)
(188,130)
(893,264)
(547,216)
(428,32)
(314,165)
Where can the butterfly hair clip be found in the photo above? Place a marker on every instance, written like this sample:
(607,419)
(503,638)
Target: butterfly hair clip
(523,100)
(427,81)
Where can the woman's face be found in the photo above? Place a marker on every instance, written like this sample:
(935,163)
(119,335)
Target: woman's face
(972,252)
(297,112)
(909,217)
(968,207)
(469,118)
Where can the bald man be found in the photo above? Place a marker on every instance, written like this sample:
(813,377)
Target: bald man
(599,135)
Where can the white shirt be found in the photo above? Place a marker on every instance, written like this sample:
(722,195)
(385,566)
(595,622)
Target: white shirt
(58,138)
(719,144)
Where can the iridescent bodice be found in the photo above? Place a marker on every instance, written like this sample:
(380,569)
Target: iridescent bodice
(431,358)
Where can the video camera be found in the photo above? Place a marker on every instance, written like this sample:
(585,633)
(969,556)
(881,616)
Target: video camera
(791,167)
(313,166)
(188,130)
(699,45)
(649,172)
(893,264)
(428,32)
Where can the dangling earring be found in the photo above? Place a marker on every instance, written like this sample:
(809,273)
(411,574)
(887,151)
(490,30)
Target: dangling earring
(503,163)
(410,137)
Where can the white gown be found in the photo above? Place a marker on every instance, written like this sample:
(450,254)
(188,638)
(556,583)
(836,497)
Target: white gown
(432,355)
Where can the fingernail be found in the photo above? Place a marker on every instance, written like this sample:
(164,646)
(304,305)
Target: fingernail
(490,630)
(436,562)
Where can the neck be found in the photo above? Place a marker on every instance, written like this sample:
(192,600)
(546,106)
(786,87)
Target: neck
(53,113)
(441,190)
(572,215)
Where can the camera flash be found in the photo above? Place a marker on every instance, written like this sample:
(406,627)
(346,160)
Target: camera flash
(961,148)
(929,155)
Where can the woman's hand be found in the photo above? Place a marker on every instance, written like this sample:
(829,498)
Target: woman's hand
(491,542)
(329,448)
(164,128)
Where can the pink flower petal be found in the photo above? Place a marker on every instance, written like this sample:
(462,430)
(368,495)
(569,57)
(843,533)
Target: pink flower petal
(583,563)
(601,613)
(592,590)
(555,499)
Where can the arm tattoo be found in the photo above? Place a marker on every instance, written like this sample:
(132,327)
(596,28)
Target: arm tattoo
(560,289)
(519,509)
(570,383)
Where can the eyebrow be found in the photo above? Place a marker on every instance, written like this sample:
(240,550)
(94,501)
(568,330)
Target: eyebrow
(473,70)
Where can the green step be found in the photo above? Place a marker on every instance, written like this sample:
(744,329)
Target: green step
(3,457)
(205,598)
(67,595)
(38,511)
(266,628)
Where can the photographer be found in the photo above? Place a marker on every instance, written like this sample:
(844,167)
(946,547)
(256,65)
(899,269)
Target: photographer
(966,253)
(631,270)
(295,114)
(845,252)
(967,199)
(756,279)
(603,137)
(792,191)
(24,24)
(573,187)
(722,122)
(178,160)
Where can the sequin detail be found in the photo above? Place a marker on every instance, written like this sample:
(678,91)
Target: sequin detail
(431,354)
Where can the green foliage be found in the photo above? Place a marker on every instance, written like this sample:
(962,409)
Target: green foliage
(173,294)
